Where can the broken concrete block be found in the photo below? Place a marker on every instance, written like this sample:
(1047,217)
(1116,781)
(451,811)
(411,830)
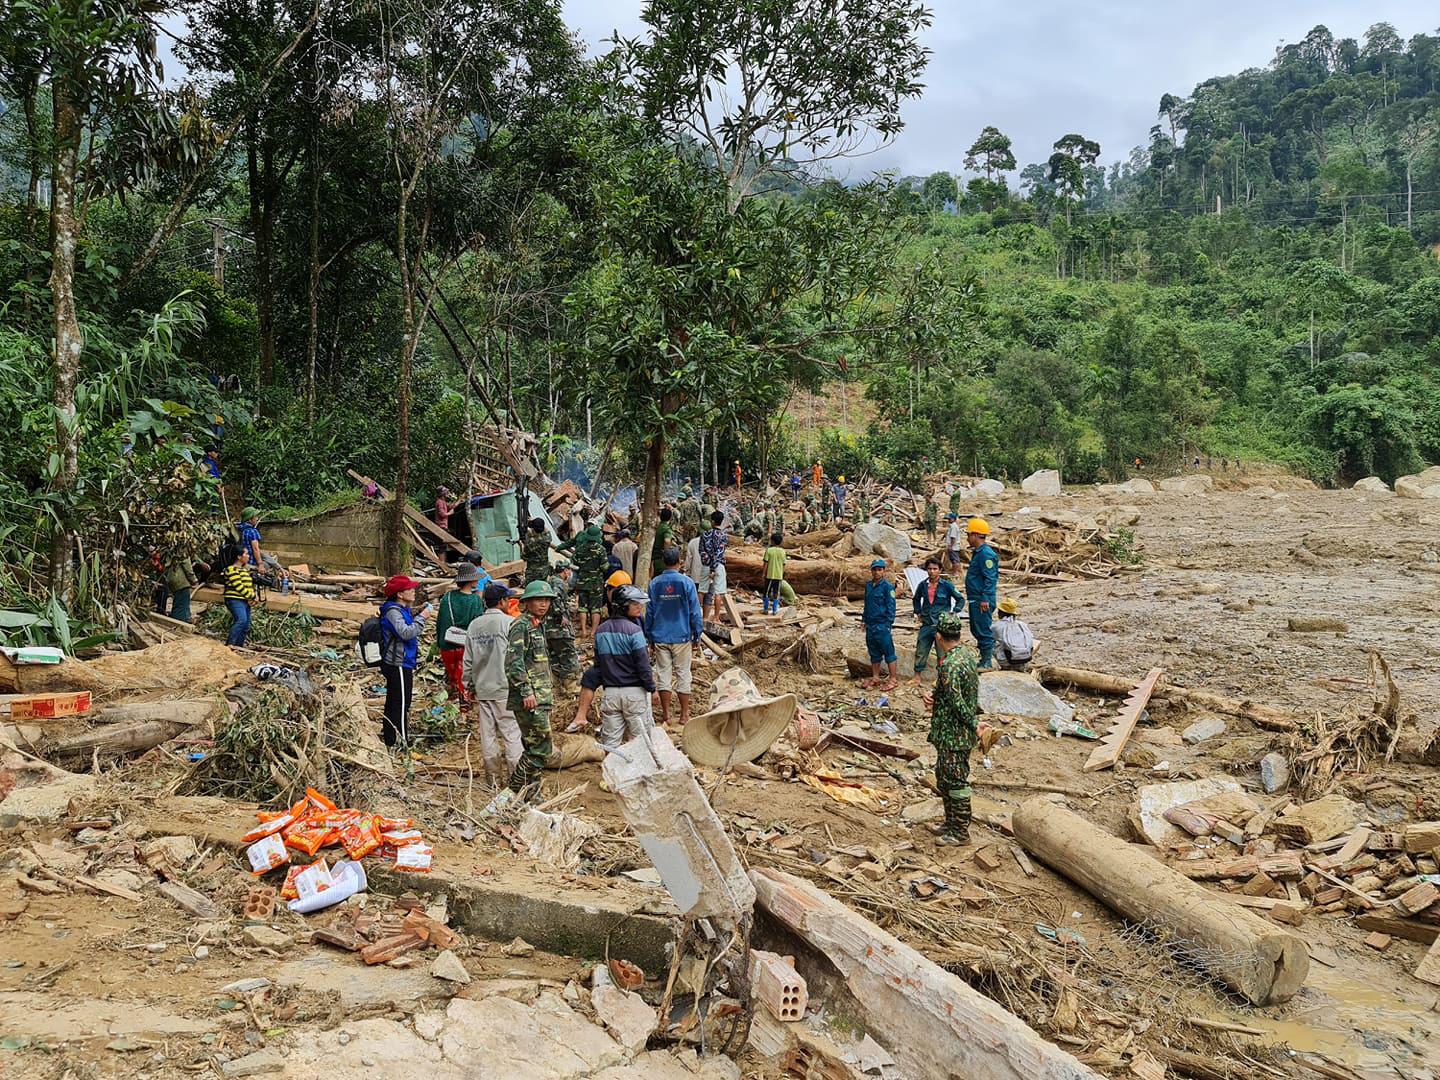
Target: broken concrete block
(176,850)
(447,966)
(625,1015)
(1274,773)
(1147,813)
(678,828)
(874,538)
(1312,822)
(777,984)
(256,1064)
(264,937)
(1043,482)
(1014,693)
(918,813)
(769,1037)
(1422,837)
(1205,728)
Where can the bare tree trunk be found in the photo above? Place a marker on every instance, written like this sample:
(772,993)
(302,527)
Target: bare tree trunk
(396,525)
(312,331)
(68,339)
(650,507)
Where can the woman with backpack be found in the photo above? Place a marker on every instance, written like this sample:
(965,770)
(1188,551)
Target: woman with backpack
(399,648)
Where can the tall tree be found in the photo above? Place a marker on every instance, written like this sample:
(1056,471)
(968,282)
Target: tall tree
(939,191)
(1073,153)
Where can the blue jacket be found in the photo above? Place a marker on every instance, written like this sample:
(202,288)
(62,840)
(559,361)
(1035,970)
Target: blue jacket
(620,656)
(982,575)
(947,598)
(879,604)
(673,614)
(399,634)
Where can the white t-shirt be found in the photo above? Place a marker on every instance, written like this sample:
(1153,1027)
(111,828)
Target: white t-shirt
(697,570)
(953,535)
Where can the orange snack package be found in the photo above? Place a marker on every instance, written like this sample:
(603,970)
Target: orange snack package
(360,838)
(309,839)
(266,827)
(414,858)
(403,837)
(266,854)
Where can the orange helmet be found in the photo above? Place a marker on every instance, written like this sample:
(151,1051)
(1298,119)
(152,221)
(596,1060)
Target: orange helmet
(618,578)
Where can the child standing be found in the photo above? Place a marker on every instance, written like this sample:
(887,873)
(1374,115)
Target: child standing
(879,617)
(774,573)
(239,595)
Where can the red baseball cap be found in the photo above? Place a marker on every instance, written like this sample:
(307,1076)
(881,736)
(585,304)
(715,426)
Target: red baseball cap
(399,583)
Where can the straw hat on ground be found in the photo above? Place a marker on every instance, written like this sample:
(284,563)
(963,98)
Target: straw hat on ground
(739,716)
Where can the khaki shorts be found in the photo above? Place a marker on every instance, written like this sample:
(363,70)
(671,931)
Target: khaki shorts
(672,666)
(714,584)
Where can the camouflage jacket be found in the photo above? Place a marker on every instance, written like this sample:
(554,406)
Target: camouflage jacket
(957,690)
(557,620)
(527,664)
(536,552)
(932,514)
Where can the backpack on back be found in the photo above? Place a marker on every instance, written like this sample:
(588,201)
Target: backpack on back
(370,642)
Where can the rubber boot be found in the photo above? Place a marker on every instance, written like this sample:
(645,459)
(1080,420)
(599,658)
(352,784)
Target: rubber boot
(987,659)
(956,830)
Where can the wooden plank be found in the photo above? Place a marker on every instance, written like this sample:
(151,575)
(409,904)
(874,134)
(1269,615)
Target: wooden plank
(1107,751)
(732,609)
(167,623)
(1409,929)
(196,903)
(421,546)
(414,515)
(318,606)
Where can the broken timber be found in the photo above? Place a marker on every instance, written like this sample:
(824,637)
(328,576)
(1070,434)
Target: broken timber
(1107,753)
(1253,956)
(1098,682)
(932,1021)
(290,603)
(414,515)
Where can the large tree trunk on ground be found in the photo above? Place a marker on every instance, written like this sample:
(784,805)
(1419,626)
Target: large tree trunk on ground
(1250,954)
(808,577)
(930,1020)
(132,728)
(64,238)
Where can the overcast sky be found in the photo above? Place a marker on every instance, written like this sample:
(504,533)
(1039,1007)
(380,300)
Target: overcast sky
(1045,68)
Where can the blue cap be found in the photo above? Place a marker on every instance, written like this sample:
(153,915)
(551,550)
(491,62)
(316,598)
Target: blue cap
(878,564)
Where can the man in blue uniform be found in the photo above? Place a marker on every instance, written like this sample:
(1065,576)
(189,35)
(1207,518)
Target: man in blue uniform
(981,578)
(879,617)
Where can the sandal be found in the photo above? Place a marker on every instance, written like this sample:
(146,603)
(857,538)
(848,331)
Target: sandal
(891,685)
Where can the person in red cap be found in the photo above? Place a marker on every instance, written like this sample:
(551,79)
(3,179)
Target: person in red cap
(399,648)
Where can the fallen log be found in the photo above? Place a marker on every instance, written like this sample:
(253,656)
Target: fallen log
(131,728)
(1253,956)
(808,577)
(820,538)
(933,1022)
(318,606)
(1099,682)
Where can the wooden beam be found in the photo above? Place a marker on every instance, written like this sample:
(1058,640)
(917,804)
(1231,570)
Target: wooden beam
(318,606)
(1099,682)
(1107,752)
(421,546)
(415,516)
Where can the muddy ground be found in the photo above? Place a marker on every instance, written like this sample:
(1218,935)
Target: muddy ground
(85,990)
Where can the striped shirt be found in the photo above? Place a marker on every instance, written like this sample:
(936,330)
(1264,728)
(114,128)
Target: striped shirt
(239,585)
(620,655)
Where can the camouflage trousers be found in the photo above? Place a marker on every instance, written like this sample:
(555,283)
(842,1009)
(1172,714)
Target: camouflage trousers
(952,778)
(537,746)
(564,660)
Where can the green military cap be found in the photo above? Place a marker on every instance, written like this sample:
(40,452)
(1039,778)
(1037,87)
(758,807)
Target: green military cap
(538,590)
(951,624)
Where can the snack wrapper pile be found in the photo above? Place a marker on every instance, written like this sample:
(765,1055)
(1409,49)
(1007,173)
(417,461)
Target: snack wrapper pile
(315,822)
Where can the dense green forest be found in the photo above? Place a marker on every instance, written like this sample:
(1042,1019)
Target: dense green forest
(343,235)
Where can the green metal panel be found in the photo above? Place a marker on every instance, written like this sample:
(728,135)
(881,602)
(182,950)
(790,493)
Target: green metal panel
(492,520)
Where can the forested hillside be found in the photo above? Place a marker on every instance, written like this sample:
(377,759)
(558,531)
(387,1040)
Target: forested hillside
(343,234)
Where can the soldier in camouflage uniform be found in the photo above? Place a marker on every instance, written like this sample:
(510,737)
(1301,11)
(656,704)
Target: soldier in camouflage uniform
(932,514)
(779,517)
(527,670)
(560,632)
(535,550)
(864,509)
(954,705)
(592,566)
(955,498)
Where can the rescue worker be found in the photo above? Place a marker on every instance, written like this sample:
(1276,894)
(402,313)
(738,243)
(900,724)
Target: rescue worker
(535,550)
(560,631)
(934,597)
(878,618)
(817,476)
(981,578)
(527,673)
(1014,643)
(864,515)
(837,492)
(932,515)
(591,565)
(955,497)
(954,704)
(738,475)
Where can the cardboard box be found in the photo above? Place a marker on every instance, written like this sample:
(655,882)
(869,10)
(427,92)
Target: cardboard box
(50,706)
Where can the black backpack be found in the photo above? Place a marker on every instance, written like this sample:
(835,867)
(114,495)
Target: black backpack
(370,642)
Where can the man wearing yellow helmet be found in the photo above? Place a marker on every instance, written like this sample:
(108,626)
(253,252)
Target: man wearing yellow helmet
(981,580)
(838,494)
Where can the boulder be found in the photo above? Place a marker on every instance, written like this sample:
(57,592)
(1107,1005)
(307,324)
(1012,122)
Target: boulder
(1014,693)
(1044,482)
(1205,728)
(873,538)
(1193,484)
(989,487)
(1425,485)
(1372,483)
(1138,486)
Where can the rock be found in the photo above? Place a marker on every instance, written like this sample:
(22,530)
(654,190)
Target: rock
(46,802)
(1323,819)
(1274,773)
(1425,485)
(1014,693)
(1114,517)
(1317,625)
(989,487)
(176,850)
(719,1067)
(264,937)
(519,947)
(1147,812)
(918,813)
(428,1025)
(447,966)
(244,986)
(625,1015)
(1140,757)
(1044,482)
(1193,484)
(1205,728)
(1160,736)
(256,1064)
(1063,518)
(873,538)
(1372,483)
(1138,486)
